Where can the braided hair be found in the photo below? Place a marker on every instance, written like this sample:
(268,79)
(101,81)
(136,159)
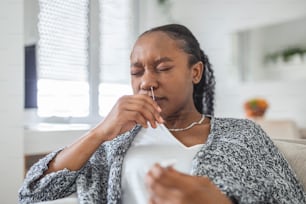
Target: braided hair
(203,93)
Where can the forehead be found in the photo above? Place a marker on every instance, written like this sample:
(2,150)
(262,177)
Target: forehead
(156,42)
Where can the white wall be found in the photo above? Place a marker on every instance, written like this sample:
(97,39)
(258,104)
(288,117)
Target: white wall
(274,35)
(214,22)
(11,103)
(31,9)
(266,40)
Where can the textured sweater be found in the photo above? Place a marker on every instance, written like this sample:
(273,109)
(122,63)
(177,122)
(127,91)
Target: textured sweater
(238,157)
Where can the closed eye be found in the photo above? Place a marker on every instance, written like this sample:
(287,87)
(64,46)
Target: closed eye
(163,69)
(136,73)
(137,69)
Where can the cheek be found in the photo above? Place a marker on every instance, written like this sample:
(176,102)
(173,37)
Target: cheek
(182,87)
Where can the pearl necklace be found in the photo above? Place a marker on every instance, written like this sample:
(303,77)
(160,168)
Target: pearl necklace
(189,126)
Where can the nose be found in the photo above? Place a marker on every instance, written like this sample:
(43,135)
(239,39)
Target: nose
(148,80)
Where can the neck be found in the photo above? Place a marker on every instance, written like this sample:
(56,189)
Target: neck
(182,119)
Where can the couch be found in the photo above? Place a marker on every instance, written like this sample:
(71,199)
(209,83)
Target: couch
(294,150)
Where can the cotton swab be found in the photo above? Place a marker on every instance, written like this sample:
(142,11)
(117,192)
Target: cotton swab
(152,93)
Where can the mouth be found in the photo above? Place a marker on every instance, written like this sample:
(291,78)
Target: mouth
(157,98)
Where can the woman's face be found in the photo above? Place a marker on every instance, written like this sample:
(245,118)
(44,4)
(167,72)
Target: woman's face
(158,62)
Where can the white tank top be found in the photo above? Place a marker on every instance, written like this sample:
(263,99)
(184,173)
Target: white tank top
(152,146)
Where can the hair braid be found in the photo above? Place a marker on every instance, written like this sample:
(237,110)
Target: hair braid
(204,91)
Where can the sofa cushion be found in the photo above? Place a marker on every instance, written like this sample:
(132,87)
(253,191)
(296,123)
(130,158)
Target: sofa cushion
(295,153)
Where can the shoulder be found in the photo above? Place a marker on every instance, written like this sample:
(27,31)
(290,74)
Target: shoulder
(240,130)
(232,121)
(242,137)
(234,125)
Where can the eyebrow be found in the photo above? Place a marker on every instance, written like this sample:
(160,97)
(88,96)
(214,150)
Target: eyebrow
(155,63)
(162,59)
(137,64)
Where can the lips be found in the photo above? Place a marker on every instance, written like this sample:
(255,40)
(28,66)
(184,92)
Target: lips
(157,98)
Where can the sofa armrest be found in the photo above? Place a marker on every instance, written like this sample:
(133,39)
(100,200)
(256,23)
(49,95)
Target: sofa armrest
(295,153)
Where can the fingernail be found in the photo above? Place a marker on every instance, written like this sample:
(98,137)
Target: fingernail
(153,125)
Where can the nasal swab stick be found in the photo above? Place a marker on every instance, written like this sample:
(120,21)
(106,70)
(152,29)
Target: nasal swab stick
(152,93)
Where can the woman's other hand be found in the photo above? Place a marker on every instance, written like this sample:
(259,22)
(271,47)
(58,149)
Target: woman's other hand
(127,112)
(168,186)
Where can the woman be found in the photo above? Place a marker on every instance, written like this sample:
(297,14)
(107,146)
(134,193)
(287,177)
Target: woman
(169,118)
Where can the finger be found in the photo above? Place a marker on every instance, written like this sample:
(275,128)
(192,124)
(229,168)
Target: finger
(145,111)
(139,103)
(137,118)
(124,115)
(150,100)
(145,105)
(143,114)
(124,112)
(156,184)
(162,194)
(159,200)
(151,201)
(157,109)
(165,175)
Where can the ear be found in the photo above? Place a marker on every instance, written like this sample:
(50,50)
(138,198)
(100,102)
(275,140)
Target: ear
(197,71)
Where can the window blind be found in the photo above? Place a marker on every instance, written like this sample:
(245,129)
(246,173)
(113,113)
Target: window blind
(63,40)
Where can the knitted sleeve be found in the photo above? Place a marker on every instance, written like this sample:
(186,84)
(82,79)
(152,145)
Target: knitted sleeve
(37,187)
(94,183)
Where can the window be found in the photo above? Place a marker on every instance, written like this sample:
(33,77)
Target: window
(117,35)
(63,88)
(83,57)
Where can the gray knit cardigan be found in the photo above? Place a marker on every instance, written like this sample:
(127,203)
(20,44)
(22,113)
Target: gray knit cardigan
(238,157)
